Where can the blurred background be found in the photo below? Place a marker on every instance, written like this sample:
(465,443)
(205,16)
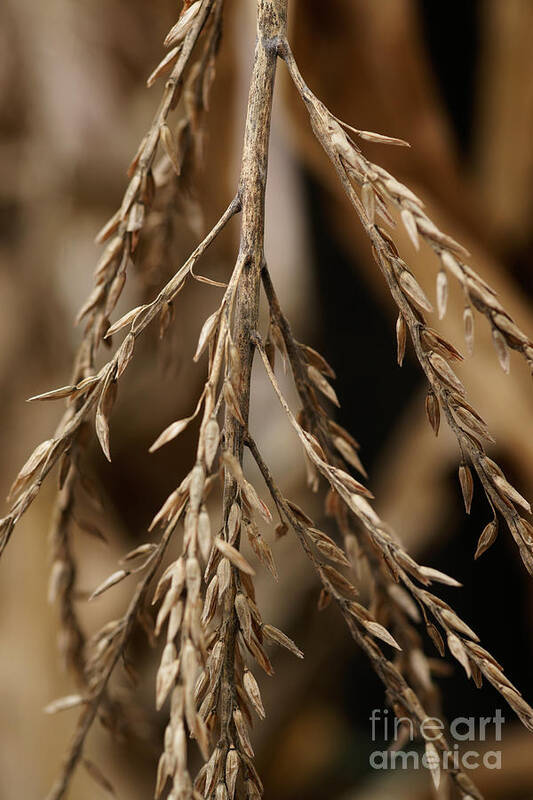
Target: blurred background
(456,80)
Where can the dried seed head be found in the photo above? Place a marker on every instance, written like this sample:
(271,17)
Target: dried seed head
(103,412)
(369,201)
(242,731)
(487,538)
(210,604)
(233,555)
(255,501)
(442,293)
(252,690)
(221,792)
(401,338)
(410,226)
(322,384)
(64,703)
(196,487)
(382,633)
(212,439)
(277,636)
(443,369)
(243,613)
(433,412)
(173,430)
(440,577)
(183,25)
(164,66)
(502,350)
(452,620)
(467,486)
(204,534)
(436,638)
(206,334)
(224,576)
(380,138)
(113,579)
(414,291)
(231,401)
(339,582)
(468,320)
(457,650)
(167,674)
(193,579)
(232,770)
(507,491)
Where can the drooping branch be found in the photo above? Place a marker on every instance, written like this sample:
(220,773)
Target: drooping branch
(446,391)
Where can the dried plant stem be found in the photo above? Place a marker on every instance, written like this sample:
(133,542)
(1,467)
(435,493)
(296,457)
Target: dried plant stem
(271,27)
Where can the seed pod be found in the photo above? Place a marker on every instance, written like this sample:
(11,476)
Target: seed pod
(433,412)
(339,582)
(252,690)
(243,613)
(507,491)
(204,533)
(206,334)
(64,703)
(382,633)
(183,25)
(401,338)
(409,223)
(440,577)
(414,291)
(436,638)
(468,320)
(322,384)
(452,620)
(163,66)
(501,349)
(166,674)
(467,486)
(380,138)
(36,460)
(173,430)
(369,201)
(443,369)
(196,489)
(442,293)
(112,580)
(457,650)
(212,439)
(277,636)
(487,538)
(233,555)
(242,730)
(103,412)
(231,401)
(171,148)
(224,577)
(210,603)
(232,771)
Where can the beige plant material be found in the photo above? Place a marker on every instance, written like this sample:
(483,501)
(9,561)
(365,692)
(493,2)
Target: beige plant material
(207,611)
